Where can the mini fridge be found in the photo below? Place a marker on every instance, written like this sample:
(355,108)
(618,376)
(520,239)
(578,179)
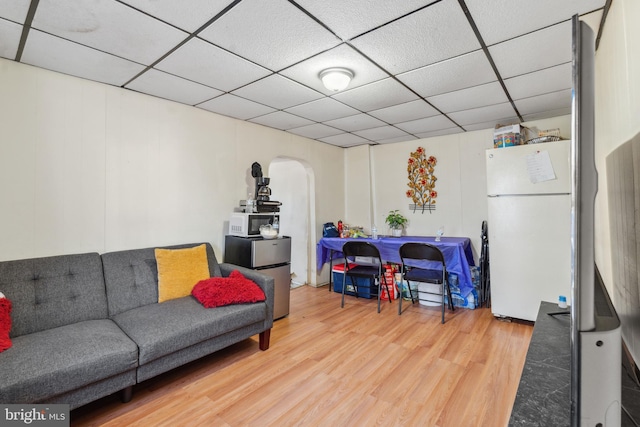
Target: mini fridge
(269,256)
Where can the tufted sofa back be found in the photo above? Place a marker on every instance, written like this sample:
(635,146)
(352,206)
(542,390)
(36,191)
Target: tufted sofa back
(131,276)
(53,291)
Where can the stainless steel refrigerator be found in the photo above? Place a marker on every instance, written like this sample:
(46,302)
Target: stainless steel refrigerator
(269,256)
(529,207)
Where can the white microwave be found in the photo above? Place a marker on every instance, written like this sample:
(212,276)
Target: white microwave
(247,224)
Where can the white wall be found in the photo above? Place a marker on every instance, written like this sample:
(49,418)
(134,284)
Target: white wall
(358,188)
(617,108)
(89,167)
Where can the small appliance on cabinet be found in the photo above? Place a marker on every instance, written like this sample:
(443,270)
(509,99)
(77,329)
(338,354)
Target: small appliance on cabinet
(271,257)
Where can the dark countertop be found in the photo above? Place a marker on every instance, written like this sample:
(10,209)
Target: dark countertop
(544,393)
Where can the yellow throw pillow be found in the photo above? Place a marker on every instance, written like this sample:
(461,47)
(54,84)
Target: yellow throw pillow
(179,270)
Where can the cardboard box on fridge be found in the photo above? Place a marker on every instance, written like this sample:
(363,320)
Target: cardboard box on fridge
(507,136)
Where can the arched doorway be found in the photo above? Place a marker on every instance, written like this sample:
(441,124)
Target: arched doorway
(292,183)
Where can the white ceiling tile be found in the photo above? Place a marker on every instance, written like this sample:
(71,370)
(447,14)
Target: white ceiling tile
(345,140)
(307,72)
(451,74)
(163,85)
(506,19)
(273,33)
(404,112)
(404,138)
(14,10)
(377,95)
(426,125)
(473,97)
(53,53)
(549,101)
(483,114)
(352,18)
(234,106)
(535,51)
(382,133)
(435,33)
(281,120)
(10,34)
(204,63)
(315,131)
(322,110)
(547,114)
(188,17)
(540,82)
(441,132)
(356,122)
(108,26)
(277,92)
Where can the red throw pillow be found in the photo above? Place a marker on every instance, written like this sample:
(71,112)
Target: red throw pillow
(219,291)
(5,323)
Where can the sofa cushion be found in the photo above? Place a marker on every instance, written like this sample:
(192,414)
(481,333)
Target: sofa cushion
(179,270)
(161,329)
(53,291)
(220,291)
(131,276)
(52,362)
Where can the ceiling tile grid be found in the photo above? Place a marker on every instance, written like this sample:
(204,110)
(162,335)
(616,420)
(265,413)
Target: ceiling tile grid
(420,68)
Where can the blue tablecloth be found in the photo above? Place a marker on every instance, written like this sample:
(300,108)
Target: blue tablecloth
(458,256)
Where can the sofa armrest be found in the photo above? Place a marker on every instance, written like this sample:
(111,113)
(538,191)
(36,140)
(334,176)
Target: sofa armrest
(265,282)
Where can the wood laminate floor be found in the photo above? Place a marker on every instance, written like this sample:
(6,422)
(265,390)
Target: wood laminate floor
(329,366)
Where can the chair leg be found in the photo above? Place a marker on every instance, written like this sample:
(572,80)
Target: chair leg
(400,296)
(344,285)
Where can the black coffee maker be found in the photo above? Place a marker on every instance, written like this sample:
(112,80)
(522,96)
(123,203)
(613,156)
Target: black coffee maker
(262,191)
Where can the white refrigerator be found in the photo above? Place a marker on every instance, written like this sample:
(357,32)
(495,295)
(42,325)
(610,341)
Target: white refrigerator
(529,204)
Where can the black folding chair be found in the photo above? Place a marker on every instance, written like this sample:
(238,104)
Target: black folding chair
(411,255)
(373,271)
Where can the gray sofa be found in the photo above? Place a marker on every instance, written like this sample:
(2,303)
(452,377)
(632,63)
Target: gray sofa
(86,326)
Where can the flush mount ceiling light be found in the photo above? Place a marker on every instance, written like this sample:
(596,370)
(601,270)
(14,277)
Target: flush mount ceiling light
(336,79)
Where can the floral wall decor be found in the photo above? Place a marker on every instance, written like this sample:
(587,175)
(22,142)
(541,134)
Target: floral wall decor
(422,181)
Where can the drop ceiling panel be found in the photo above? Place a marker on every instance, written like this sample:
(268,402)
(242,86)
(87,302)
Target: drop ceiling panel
(277,92)
(234,106)
(430,35)
(315,131)
(108,26)
(535,51)
(281,120)
(540,82)
(383,133)
(322,110)
(9,38)
(451,74)
(345,140)
(426,125)
(419,68)
(307,72)
(352,18)
(380,94)
(549,101)
(547,114)
(273,33)
(14,10)
(357,122)
(510,18)
(405,112)
(473,97)
(167,86)
(188,18)
(483,114)
(204,63)
(53,53)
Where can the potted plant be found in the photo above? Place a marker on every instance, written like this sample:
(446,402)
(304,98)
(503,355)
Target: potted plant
(396,222)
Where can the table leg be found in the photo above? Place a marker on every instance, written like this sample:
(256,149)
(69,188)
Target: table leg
(330,267)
